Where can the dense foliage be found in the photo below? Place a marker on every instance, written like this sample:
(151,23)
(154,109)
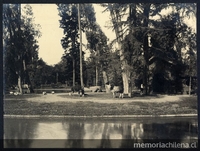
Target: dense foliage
(153,48)
(20,45)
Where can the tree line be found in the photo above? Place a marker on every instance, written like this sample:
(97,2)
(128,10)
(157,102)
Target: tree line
(159,53)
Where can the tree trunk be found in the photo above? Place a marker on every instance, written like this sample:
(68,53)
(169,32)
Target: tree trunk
(146,48)
(97,75)
(81,64)
(97,63)
(74,72)
(146,67)
(125,78)
(130,89)
(57,77)
(105,79)
(20,83)
(27,78)
(19,73)
(190,86)
(125,72)
(116,19)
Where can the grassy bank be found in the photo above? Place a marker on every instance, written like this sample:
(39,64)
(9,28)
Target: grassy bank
(20,106)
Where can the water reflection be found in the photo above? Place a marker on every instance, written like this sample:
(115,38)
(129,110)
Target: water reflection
(18,133)
(104,133)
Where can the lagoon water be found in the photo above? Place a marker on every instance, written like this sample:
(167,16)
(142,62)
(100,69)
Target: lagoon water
(96,132)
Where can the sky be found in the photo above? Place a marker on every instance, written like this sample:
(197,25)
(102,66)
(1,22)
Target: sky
(50,48)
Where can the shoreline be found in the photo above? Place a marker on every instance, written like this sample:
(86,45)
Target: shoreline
(103,116)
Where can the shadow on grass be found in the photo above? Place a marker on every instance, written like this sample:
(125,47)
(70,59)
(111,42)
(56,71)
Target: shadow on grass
(147,96)
(190,101)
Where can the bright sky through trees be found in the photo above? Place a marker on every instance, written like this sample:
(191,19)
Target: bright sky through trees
(50,49)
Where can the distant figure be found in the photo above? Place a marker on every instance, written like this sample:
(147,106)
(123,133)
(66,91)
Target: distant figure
(117,89)
(141,89)
(79,89)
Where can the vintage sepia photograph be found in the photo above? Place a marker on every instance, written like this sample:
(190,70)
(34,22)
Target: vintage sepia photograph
(100,75)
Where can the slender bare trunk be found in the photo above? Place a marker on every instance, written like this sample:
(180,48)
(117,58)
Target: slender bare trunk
(81,64)
(146,48)
(19,73)
(73,72)
(105,79)
(27,78)
(97,75)
(24,65)
(97,63)
(130,88)
(20,83)
(57,77)
(146,66)
(190,85)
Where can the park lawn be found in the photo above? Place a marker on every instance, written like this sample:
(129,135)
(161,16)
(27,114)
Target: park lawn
(21,106)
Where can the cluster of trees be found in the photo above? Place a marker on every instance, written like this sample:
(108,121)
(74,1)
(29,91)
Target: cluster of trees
(153,48)
(20,46)
(97,41)
(159,52)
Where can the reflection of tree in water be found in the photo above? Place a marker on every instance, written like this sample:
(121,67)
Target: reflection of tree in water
(93,130)
(166,131)
(132,133)
(118,134)
(18,133)
(126,134)
(177,130)
(75,133)
(93,134)
(105,141)
(193,129)
(137,131)
(96,129)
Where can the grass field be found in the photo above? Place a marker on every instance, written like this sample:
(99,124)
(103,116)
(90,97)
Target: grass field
(97,104)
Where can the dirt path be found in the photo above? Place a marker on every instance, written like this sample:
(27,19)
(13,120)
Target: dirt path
(61,97)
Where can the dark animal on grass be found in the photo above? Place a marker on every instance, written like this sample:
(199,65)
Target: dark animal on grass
(79,89)
(116,89)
